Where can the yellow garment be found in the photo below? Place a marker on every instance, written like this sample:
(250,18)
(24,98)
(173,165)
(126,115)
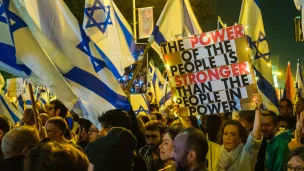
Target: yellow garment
(213,153)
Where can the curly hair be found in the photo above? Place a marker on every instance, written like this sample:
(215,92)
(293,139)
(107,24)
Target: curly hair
(243,133)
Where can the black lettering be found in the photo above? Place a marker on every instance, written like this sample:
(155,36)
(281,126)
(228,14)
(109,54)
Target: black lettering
(245,80)
(202,98)
(233,56)
(193,100)
(226,59)
(185,99)
(216,49)
(227,45)
(209,50)
(164,48)
(234,80)
(192,110)
(198,63)
(173,70)
(209,98)
(187,65)
(214,108)
(225,80)
(205,86)
(217,97)
(234,94)
(232,105)
(186,56)
(172,46)
(180,45)
(225,107)
(202,110)
(181,69)
(197,89)
(212,62)
(195,53)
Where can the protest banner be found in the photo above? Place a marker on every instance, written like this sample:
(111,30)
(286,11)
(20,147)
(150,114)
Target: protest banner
(15,87)
(211,72)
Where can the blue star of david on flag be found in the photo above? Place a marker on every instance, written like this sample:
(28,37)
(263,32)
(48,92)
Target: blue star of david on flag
(85,48)
(254,45)
(92,22)
(141,109)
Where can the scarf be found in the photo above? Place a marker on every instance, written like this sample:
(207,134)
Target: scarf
(226,159)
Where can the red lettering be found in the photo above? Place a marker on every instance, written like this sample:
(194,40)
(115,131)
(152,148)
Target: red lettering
(192,78)
(184,79)
(243,68)
(178,82)
(234,69)
(194,41)
(198,76)
(225,71)
(213,73)
(218,34)
(238,31)
(201,39)
(230,34)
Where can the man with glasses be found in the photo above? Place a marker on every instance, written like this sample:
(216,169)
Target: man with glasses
(153,133)
(190,150)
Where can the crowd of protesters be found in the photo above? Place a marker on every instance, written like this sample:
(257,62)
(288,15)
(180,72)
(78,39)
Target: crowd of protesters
(59,140)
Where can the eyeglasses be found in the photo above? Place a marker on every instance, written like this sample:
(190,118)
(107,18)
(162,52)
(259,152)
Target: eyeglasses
(289,167)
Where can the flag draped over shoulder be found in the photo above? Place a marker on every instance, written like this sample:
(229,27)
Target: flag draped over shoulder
(6,108)
(177,20)
(299,81)
(251,18)
(289,90)
(27,50)
(60,35)
(111,33)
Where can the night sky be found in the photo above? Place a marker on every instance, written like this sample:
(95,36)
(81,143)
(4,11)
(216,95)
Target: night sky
(278,17)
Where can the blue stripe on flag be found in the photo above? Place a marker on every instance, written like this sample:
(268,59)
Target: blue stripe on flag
(158,36)
(148,104)
(108,62)
(28,102)
(257,3)
(266,88)
(129,38)
(168,96)
(95,85)
(10,59)
(15,118)
(20,102)
(43,101)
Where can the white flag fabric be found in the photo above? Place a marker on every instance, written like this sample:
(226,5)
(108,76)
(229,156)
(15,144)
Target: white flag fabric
(29,52)
(299,81)
(15,87)
(139,104)
(157,82)
(177,20)
(145,22)
(165,98)
(251,19)
(76,57)
(6,108)
(111,33)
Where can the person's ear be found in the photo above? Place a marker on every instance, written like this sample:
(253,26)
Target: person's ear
(191,156)
(57,112)
(25,151)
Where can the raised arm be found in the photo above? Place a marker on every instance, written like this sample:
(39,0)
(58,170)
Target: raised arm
(257,126)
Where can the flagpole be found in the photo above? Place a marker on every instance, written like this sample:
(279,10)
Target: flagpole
(33,105)
(134,21)
(138,67)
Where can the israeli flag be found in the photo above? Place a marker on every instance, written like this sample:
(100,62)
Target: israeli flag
(177,20)
(157,82)
(139,104)
(299,81)
(166,97)
(28,51)
(111,33)
(6,108)
(10,23)
(58,32)
(251,19)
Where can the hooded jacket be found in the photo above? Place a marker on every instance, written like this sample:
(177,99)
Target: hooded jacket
(114,152)
(277,151)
